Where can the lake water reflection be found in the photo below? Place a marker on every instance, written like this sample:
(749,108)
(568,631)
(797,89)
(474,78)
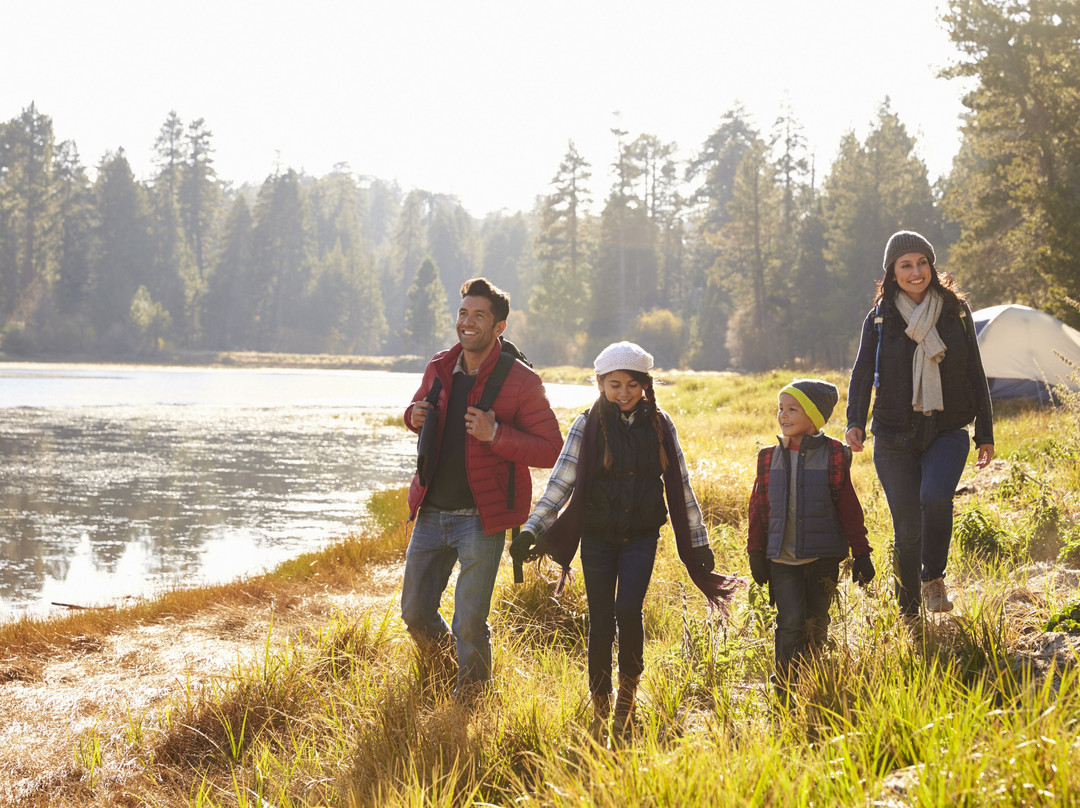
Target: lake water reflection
(119,481)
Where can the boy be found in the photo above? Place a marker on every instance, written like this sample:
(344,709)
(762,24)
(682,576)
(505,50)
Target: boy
(804,514)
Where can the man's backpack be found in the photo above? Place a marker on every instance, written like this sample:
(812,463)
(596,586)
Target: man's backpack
(839,459)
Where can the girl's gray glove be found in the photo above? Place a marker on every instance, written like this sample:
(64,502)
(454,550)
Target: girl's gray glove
(522,545)
(703,558)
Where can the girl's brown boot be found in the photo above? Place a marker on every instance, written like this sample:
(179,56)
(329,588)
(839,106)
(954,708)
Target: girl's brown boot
(624,704)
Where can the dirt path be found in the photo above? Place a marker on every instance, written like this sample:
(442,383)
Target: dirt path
(118,685)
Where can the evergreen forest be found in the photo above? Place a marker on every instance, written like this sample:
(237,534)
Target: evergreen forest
(751,254)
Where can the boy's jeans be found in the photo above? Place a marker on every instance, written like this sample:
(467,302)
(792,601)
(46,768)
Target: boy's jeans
(803,593)
(919,479)
(616,580)
(439,540)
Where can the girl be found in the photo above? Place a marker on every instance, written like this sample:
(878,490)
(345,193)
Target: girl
(920,354)
(620,461)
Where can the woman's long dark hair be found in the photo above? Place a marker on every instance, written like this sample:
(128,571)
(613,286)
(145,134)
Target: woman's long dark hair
(648,405)
(887,288)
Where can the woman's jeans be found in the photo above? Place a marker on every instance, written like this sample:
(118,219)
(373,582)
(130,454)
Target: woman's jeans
(616,579)
(919,477)
(439,540)
(803,594)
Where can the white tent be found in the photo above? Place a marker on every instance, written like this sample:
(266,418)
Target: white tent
(1022,351)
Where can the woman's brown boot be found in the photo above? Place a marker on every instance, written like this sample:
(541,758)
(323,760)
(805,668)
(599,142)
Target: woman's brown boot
(624,704)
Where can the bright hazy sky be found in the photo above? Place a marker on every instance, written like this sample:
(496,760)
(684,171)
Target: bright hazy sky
(477,98)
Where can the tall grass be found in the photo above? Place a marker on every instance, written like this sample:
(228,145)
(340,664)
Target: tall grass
(954,710)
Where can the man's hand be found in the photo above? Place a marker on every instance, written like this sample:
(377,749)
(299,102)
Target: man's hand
(986,454)
(855,438)
(480,424)
(419,413)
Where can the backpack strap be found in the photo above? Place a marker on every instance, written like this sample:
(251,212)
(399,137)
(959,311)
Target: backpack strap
(839,463)
(425,441)
(495,381)
(432,397)
(879,324)
(764,460)
(488,395)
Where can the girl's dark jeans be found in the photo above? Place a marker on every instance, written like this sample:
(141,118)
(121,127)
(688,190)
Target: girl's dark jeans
(919,476)
(803,594)
(616,579)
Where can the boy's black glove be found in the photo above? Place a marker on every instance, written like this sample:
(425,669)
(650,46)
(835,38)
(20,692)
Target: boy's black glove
(522,545)
(759,566)
(702,557)
(862,569)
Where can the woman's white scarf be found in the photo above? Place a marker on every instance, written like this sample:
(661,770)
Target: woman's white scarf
(921,322)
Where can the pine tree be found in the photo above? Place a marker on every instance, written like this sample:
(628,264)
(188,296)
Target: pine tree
(559,301)
(199,194)
(1015,187)
(122,249)
(28,215)
(450,243)
(173,280)
(752,262)
(410,247)
(231,301)
(169,154)
(284,255)
(872,190)
(426,318)
(74,200)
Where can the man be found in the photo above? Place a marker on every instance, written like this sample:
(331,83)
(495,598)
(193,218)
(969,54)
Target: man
(480,484)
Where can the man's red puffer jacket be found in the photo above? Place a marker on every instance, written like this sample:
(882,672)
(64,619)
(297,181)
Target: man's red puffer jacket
(528,435)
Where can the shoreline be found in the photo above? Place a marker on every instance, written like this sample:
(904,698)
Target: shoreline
(406,363)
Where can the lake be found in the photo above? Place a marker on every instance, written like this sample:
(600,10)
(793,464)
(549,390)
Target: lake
(120,480)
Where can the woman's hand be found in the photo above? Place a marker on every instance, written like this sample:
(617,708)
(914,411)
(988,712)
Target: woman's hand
(986,454)
(856,436)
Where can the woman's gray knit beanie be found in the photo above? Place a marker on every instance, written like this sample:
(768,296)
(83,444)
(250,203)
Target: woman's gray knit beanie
(904,242)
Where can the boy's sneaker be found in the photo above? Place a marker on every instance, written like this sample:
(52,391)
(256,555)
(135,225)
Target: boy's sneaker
(934,596)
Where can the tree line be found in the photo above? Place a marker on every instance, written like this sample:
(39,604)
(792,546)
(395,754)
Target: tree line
(743,256)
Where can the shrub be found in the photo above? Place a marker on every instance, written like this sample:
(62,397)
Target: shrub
(975,535)
(1068,619)
(1069,555)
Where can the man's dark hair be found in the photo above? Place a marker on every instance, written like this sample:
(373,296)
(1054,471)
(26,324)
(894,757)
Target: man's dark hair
(482,287)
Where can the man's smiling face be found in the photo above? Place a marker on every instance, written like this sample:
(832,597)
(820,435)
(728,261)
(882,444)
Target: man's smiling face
(477,329)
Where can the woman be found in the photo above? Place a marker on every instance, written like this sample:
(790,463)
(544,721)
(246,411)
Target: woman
(619,463)
(920,352)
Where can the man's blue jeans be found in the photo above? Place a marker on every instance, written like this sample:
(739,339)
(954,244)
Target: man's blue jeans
(803,594)
(616,579)
(439,540)
(919,477)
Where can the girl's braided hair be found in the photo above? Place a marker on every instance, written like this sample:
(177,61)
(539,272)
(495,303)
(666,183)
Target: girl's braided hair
(649,397)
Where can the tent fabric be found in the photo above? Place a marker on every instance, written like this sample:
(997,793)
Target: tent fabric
(1022,350)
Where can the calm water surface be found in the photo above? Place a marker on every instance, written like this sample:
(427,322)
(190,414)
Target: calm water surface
(118,481)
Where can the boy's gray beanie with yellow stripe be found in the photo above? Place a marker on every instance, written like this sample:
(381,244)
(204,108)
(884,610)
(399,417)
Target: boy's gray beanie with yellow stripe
(817,398)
